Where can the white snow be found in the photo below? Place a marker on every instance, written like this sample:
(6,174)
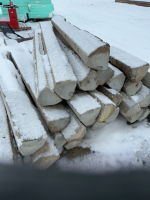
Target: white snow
(112,91)
(61,69)
(55,112)
(71,128)
(88,42)
(24,117)
(39,62)
(128,100)
(26,67)
(141,94)
(126,58)
(116,71)
(101,97)
(6,153)
(126,27)
(83,103)
(79,68)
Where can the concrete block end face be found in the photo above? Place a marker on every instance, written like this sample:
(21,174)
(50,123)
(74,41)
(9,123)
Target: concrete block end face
(65,90)
(58,125)
(30,147)
(98,61)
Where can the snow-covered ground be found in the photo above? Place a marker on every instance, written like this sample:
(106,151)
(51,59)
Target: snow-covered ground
(127,27)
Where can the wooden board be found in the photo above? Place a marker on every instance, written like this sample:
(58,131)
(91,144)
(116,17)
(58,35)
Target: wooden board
(138,3)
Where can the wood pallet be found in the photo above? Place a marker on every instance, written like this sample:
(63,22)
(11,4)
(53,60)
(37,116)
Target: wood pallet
(138,3)
(22,27)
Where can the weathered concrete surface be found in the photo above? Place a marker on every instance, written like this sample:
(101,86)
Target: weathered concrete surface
(146,80)
(113,116)
(142,97)
(25,146)
(105,75)
(27,128)
(94,53)
(128,106)
(146,112)
(117,80)
(112,94)
(59,140)
(75,130)
(64,78)
(85,107)
(134,68)
(8,152)
(61,38)
(56,117)
(98,125)
(135,117)
(87,79)
(131,88)
(71,145)
(46,95)
(46,156)
(108,107)
(90,83)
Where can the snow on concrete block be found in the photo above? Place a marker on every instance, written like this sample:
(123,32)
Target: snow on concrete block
(87,79)
(112,94)
(56,116)
(142,97)
(128,106)
(64,78)
(27,128)
(134,68)
(59,140)
(135,117)
(117,80)
(85,107)
(92,50)
(45,86)
(146,79)
(113,117)
(61,38)
(75,130)
(8,154)
(98,125)
(105,75)
(2,41)
(108,107)
(46,156)
(146,112)
(131,88)
(71,145)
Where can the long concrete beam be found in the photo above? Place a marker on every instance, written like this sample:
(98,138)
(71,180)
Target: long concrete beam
(92,50)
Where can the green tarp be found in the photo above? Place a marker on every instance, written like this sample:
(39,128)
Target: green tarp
(29,9)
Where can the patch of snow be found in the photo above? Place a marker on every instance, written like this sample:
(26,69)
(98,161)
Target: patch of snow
(6,153)
(70,129)
(128,100)
(116,71)
(83,103)
(101,97)
(61,69)
(79,68)
(126,58)
(88,42)
(141,94)
(55,112)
